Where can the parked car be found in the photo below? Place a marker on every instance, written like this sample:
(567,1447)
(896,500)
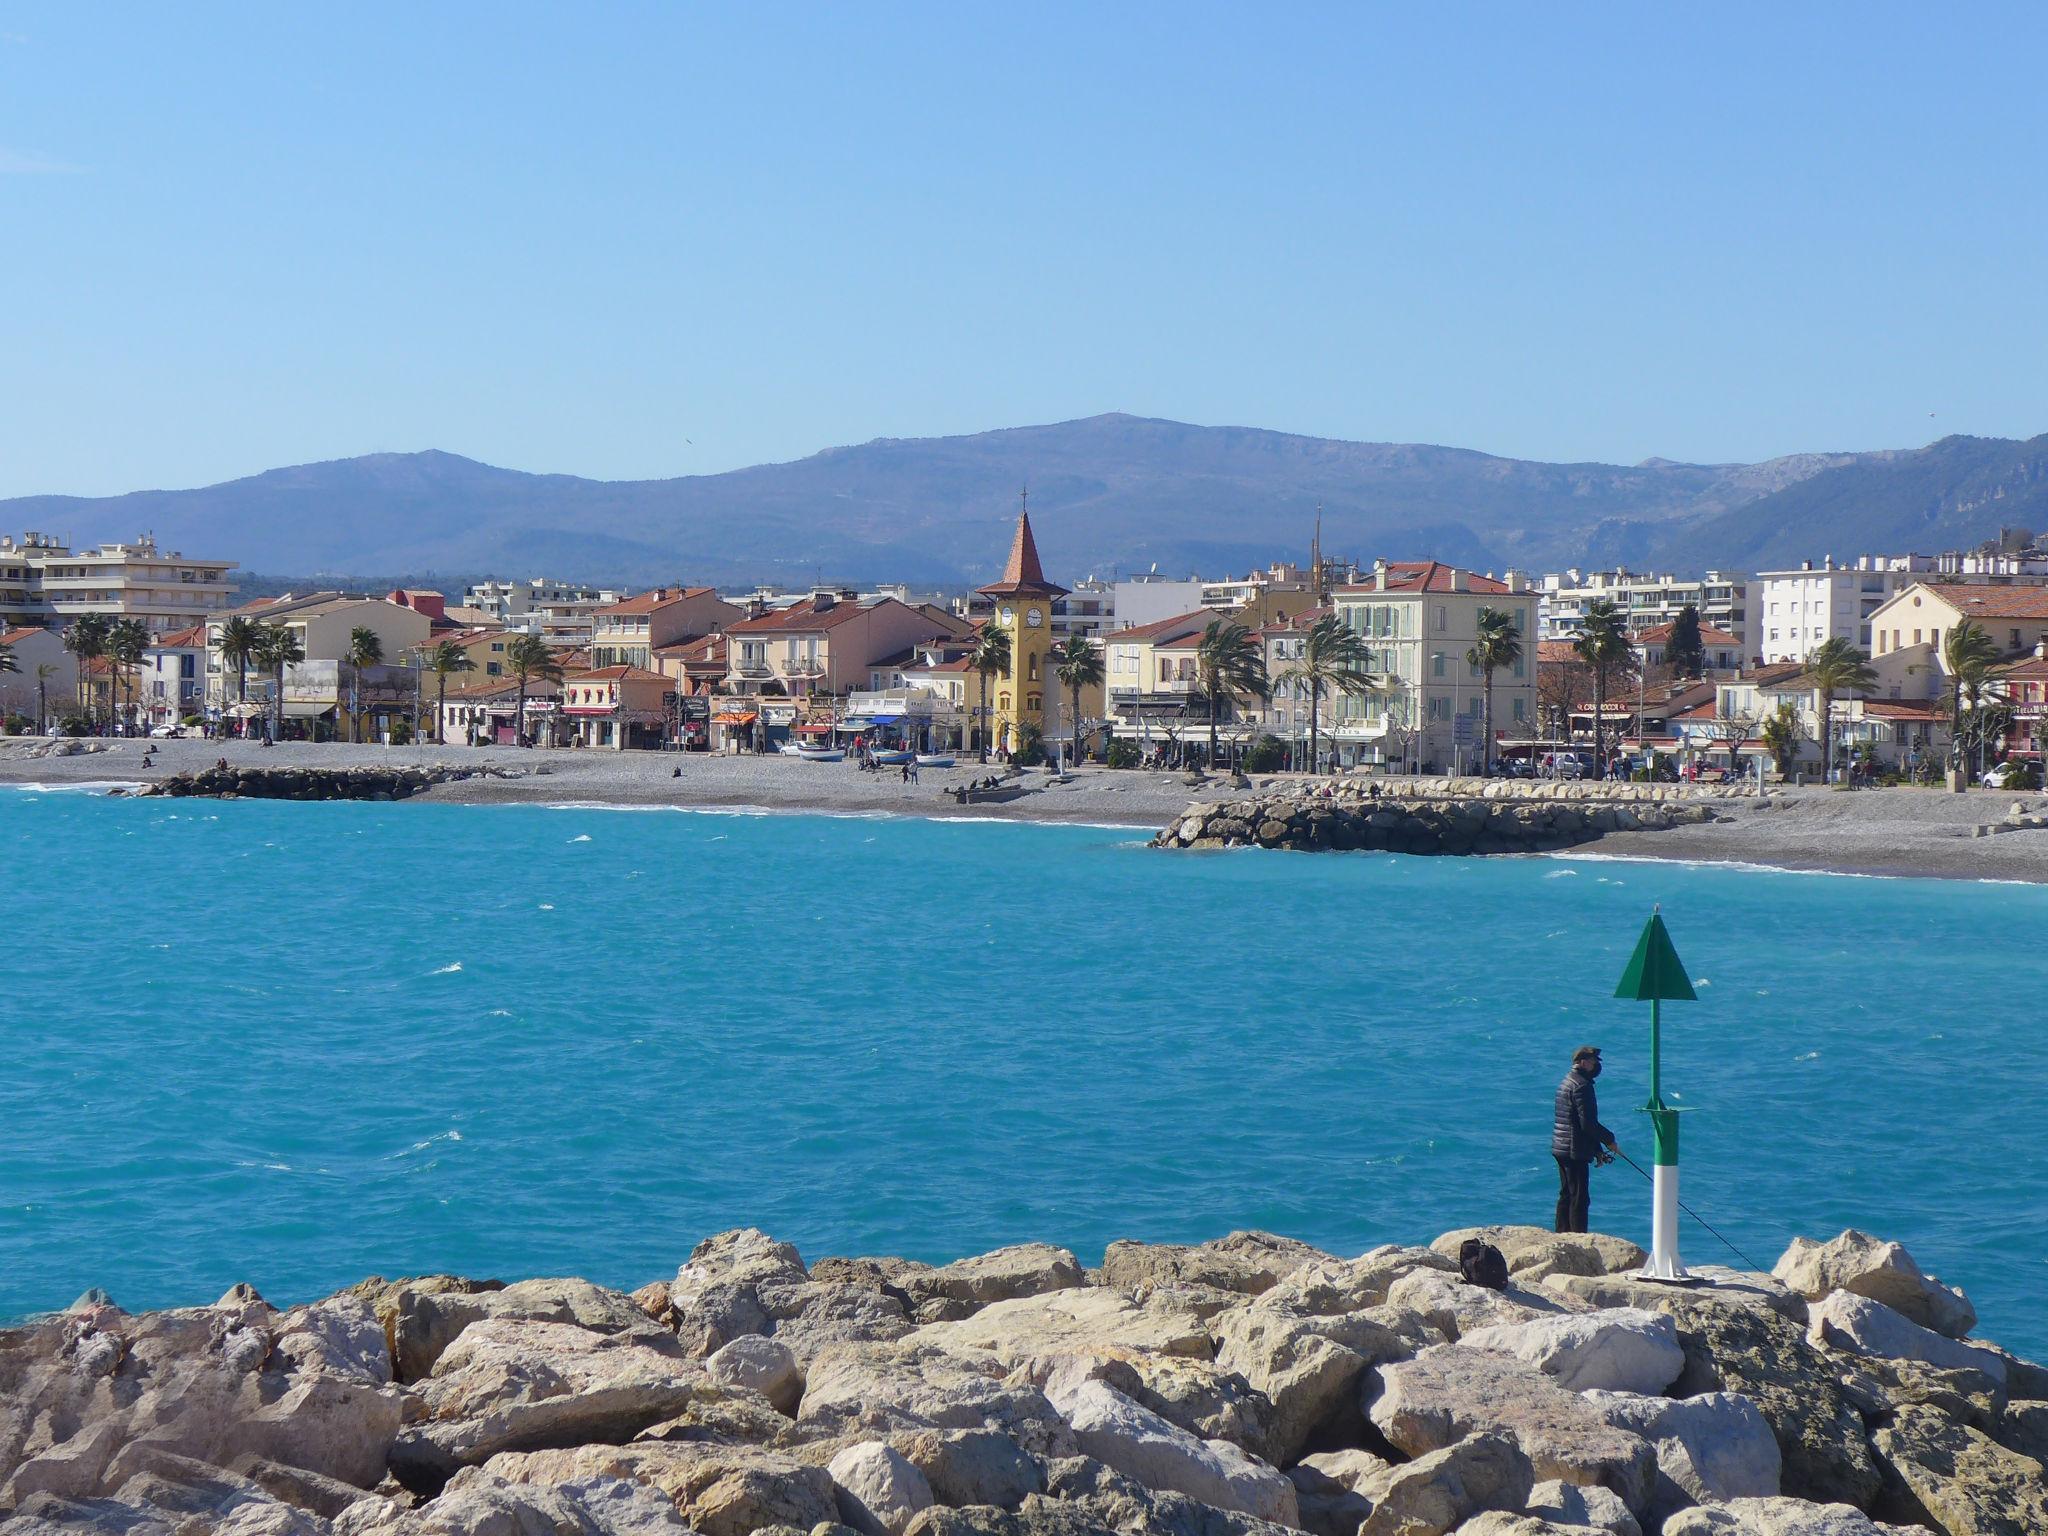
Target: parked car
(2008,776)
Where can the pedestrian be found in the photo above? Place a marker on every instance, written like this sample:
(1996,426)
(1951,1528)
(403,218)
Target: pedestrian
(1578,1139)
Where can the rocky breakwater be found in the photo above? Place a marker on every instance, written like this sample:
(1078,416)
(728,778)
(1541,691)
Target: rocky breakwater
(1495,821)
(1250,1386)
(264,783)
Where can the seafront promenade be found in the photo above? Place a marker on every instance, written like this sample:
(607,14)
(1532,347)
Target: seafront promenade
(1902,832)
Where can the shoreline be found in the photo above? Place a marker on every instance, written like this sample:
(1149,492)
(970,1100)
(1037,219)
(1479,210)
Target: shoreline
(1881,833)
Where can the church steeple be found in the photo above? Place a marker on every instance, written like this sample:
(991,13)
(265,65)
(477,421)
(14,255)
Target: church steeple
(1023,576)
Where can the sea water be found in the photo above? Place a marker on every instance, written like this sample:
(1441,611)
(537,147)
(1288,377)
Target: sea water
(296,1044)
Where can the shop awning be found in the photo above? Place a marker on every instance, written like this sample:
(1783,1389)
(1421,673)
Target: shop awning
(814,728)
(306,709)
(734,717)
(248,711)
(883,719)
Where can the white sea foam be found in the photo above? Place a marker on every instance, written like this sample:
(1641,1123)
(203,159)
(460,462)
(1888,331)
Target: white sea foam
(452,968)
(1809,1056)
(1562,874)
(421,1146)
(80,787)
(547,906)
(581,837)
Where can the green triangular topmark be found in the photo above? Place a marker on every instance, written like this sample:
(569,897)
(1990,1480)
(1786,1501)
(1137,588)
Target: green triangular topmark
(1654,970)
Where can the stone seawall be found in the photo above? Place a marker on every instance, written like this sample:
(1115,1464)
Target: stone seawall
(1248,1386)
(1427,824)
(302,783)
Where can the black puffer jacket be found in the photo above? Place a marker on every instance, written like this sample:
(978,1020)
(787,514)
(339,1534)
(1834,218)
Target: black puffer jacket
(1576,1132)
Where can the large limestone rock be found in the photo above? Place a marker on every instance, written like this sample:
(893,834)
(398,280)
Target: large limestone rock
(1867,1266)
(1449,1392)
(1625,1350)
(1026,1269)
(482,1506)
(974,1466)
(805,1316)
(1453,1307)
(1308,1364)
(716,1297)
(1957,1479)
(1329,1287)
(423,1318)
(1716,1285)
(1439,1492)
(1710,1449)
(1083,1488)
(1533,1252)
(1501,1523)
(1765,1357)
(1590,1509)
(507,1385)
(1779,1517)
(1244,1262)
(1038,1331)
(1326,1506)
(1139,1443)
(879,1488)
(754,1363)
(872,1390)
(721,1490)
(161,1494)
(1846,1321)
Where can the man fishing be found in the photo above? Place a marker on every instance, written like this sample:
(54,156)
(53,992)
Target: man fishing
(1578,1139)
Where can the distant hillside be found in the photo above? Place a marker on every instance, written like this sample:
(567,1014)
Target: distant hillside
(1107,493)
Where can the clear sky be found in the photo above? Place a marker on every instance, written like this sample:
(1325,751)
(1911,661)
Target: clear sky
(624,240)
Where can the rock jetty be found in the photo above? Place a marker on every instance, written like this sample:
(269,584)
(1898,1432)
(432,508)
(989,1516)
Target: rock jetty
(1250,1386)
(263,783)
(1441,816)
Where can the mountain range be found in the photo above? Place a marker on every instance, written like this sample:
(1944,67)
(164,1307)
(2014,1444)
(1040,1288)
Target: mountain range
(1111,493)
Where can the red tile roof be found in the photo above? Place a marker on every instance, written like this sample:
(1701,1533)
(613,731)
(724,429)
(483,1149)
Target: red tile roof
(2027,668)
(192,639)
(1022,575)
(1709,635)
(705,650)
(1992,602)
(804,616)
(1429,576)
(1199,619)
(660,597)
(1903,709)
(20,633)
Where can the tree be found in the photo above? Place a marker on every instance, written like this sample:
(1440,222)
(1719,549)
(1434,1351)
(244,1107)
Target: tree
(44,673)
(1603,645)
(1230,664)
(87,640)
(1685,651)
(1077,664)
(1780,736)
(237,646)
(1967,655)
(443,659)
(991,654)
(7,661)
(1499,645)
(529,657)
(1836,667)
(127,643)
(277,646)
(365,649)
(1334,660)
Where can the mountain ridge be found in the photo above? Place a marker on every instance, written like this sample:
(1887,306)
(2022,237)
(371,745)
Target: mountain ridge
(1112,491)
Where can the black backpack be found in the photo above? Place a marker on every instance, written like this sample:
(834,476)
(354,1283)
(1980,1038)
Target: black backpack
(1482,1264)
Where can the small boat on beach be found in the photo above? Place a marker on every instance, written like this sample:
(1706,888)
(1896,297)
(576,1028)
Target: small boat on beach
(893,756)
(934,760)
(821,754)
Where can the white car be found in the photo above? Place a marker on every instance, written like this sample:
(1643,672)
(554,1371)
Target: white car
(2004,776)
(167,732)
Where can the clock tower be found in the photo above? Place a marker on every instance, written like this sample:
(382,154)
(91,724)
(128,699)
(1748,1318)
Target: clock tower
(1023,610)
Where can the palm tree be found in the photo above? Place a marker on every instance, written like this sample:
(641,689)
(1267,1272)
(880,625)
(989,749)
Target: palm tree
(441,660)
(1499,645)
(44,673)
(1967,655)
(1780,736)
(991,654)
(1334,660)
(1229,663)
(1078,664)
(277,646)
(529,657)
(365,649)
(127,643)
(1834,667)
(1603,645)
(237,646)
(87,640)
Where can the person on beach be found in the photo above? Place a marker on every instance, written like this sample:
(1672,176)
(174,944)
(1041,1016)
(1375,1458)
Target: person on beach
(1578,1139)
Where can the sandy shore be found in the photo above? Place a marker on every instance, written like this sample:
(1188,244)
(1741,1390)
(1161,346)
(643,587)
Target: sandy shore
(1920,832)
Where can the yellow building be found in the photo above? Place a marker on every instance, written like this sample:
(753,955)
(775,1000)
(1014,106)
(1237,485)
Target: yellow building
(1023,600)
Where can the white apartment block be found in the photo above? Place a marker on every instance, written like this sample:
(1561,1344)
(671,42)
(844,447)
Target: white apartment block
(1645,601)
(1795,611)
(44,581)
(1149,598)
(558,611)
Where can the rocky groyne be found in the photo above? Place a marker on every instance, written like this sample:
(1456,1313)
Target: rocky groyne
(1251,1386)
(289,783)
(1408,819)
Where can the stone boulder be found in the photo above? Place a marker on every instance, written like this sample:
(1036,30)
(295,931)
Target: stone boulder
(754,1363)
(716,1296)
(974,1466)
(1036,1332)
(1201,1397)
(1710,1449)
(805,1316)
(1779,1517)
(1958,1479)
(1625,1350)
(510,1385)
(1438,1492)
(1715,1285)
(1129,1437)
(873,1390)
(1533,1252)
(1449,1392)
(1452,1307)
(480,1505)
(423,1319)
(1332,1287)
(1846,1321)
(720,1490)
(1026,1269)
(1885,1272)
(880,1490)
(1326,1507)
(1583,1509)
(1245,1262)
(158,1493)
(1501,1523)
(1309,1365)
(1082,1488)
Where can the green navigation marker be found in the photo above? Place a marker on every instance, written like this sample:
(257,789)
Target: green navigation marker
(1655,975)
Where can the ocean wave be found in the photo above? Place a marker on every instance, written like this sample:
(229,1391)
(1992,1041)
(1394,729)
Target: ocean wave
(452,968)
(79,787)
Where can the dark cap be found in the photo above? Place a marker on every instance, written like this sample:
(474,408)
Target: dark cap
(1586,1052)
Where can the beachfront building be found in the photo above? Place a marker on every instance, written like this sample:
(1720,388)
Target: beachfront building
(1900,723)
(825,644)
(172,685)
(628,633)
(485,713)
(44,581)
(695,667)
(317,690)
(1723,651)
(486,646)
(1795,611)
(2014,616)
(45,682)
(616,707)
(1420,618)
(1645,601)
(1148,673)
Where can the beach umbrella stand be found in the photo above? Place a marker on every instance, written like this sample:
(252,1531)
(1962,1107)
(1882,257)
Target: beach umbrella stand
(1656,976)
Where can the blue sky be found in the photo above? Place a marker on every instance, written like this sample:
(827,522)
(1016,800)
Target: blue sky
(622,240)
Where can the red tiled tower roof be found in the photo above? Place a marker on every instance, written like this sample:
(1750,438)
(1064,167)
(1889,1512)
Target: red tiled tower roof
(1023,576)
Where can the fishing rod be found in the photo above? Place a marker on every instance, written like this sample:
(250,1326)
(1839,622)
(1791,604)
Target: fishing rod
(1695,1215)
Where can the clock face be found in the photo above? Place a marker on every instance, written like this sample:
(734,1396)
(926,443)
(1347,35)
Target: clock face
(1033,617)
(1009,615)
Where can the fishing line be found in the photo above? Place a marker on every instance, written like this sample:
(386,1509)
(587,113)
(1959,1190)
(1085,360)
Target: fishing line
(1695,1215)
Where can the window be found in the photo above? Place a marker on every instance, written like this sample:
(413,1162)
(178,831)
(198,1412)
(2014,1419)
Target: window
(1442,617)
(1521,712)
(1439,709)
(1436,664)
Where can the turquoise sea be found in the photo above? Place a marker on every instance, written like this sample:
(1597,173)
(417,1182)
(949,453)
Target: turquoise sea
(298,1044)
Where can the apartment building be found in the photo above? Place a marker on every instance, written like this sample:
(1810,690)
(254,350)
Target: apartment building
(44,581)
(629,632)
(2014,616)
(1259,597)
(172,680)
(45,675)
(826,643)
(1420,618)
(1644,601)
(317,689)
